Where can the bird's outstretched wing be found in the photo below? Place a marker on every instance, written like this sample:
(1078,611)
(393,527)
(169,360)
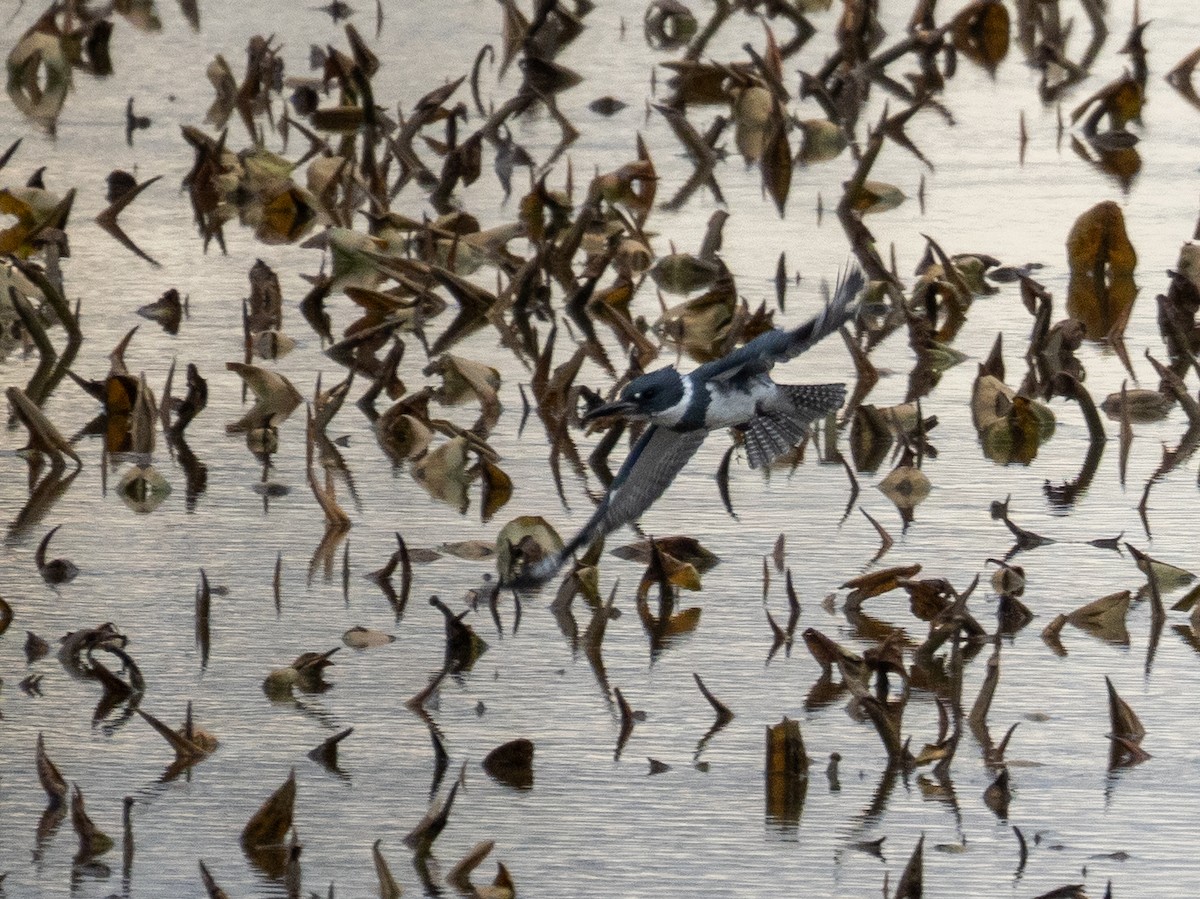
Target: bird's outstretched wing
(651,466)
(774,431)
(779,345)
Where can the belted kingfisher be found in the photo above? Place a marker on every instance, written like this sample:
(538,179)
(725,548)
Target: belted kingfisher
(733,391)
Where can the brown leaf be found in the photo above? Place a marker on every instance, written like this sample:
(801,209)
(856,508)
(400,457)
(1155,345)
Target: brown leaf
(980,32)
(1102,261)
(776,161)
(264,834)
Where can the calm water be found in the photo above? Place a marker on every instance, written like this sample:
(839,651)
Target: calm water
(593,825)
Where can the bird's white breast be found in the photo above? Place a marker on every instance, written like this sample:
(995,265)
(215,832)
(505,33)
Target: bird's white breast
(729,406)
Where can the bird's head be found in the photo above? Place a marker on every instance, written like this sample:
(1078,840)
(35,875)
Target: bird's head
(646,397)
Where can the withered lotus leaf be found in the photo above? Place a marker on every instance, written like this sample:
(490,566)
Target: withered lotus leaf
(684,272)
(471,550)
(682,548)
(275,399)
(353,258)
(223,82)
(497,487)
(1186,604)
(980,32)
(776,161)
(1124,720)
(752,109)
(444,474)
(402,436)
(264,834)
(906,486)
(1141,404)
(143,488)
(388,887)
(524,541)
(822,140)
(875,583)
(1102,261)
(35,210)
(701,324)
(679,574)
(877,196)
(359,637)
(1011,427)
(512,763)
(283,215)
(39,76)
(1104,618)
(463,379)
(43,435)
(92,840)
(1126,734)
(786,770)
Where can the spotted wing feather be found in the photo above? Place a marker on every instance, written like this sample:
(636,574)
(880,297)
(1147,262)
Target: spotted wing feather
(773,432)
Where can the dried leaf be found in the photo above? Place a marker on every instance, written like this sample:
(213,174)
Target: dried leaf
(1102,261)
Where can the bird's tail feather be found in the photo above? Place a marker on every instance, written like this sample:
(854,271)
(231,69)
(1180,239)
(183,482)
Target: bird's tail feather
(811,401)
(774,431)
(836,313)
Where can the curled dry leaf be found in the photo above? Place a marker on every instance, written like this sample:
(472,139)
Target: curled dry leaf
(92,840)
(875,583)
(143,488)
(497,487)
(906,486)
(388,887)
(444,474)
(264,834)
(512,763)
(359,637)
(1011,427)
(39,75)
(401,434)
(275,399)
(1102,261)
(980,32)
(682,548)
(460,875)
(471,550)
(523,542)
(1141,404)
(49,776)
(822,141)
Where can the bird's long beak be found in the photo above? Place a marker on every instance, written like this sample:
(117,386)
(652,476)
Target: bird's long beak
(617,407)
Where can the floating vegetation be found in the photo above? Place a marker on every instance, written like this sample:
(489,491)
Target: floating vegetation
(538,255)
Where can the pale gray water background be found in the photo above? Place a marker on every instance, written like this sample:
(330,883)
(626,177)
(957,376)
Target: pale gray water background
(592,826)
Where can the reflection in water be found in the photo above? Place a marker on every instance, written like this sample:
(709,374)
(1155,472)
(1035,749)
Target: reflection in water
(442,296)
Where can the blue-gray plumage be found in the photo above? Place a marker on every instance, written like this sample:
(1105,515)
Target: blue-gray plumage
(733,391)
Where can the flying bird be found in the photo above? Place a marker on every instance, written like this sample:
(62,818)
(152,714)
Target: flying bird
(733,391)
